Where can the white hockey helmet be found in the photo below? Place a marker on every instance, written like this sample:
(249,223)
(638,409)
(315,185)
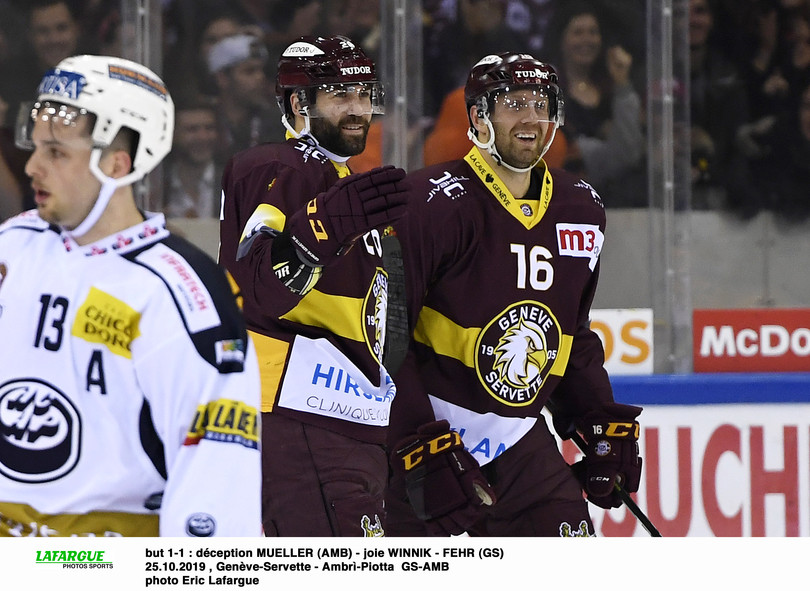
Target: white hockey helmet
(120,93)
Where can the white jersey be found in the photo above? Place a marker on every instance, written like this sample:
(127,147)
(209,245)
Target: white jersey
(128,388)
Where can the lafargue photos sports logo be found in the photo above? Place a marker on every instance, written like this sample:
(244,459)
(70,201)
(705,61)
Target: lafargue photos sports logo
(75,559)
(516,351)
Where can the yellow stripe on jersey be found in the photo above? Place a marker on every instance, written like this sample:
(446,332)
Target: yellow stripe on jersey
(21,520)
(563,354)
(344,319)
(272,354)
(264,215)
(446,337)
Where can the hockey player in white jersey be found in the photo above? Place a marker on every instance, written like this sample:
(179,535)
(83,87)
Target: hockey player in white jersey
(128,385)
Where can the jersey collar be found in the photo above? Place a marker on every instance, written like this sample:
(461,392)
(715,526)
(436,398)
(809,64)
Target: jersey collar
(152,229)
(528,212)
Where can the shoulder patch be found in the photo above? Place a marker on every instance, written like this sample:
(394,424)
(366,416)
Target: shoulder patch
(192,296)
(204,298)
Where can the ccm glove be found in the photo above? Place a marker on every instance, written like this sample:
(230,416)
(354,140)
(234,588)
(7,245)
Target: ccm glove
(353,206)
(611,455)
(444,482)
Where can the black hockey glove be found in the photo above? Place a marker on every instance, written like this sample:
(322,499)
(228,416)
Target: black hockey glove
(354,205)
(611,455)
(444,482)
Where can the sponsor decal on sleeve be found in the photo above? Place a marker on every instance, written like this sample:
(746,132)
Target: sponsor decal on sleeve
(228,421)
(193,298)
(580,240)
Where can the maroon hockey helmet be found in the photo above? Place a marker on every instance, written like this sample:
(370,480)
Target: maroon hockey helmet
(322,62)
(510,71)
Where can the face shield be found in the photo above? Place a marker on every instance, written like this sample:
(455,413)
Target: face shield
(61,120)
(331,100)
(531,105)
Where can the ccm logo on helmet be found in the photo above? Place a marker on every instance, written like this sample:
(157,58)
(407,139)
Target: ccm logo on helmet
(355,70)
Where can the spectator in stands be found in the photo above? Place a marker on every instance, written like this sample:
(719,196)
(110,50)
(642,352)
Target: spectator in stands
(768,89)
(52,33)
(719,109)
(192,35)
(783,175)
(192,175)
(357,19)
(245,114)
(603,119)
(452,44)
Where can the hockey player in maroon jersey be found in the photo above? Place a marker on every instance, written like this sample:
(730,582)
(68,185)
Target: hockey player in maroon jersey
(501,258)
(300,237)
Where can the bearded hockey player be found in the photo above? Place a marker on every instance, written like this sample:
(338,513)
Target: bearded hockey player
(301,236)
(128,387)
(502,257)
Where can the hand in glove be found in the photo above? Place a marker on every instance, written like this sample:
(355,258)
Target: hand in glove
(611,455)
(353,206)
(444,482)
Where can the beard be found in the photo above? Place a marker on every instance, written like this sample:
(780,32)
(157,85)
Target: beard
(330,136)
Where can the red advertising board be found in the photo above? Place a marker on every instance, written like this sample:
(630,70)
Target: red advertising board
(754,340)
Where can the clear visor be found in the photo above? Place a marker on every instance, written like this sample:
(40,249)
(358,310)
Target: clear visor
(354,99)
(534,104)
(62,120)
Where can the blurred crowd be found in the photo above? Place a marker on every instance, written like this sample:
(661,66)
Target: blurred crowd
(749,87)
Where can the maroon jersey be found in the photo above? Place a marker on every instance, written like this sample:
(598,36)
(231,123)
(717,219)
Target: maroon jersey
(499,292)
(320,354)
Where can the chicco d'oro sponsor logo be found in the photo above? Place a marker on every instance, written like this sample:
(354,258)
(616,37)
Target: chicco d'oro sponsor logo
(201,525)
(375,313)
(516,351)
(40,432)
(107,320)
(229,421)
(74,558)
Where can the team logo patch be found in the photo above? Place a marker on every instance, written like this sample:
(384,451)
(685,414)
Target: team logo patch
(567,530)
(375,312)
(201,525)
(516,351)
(40,432)
(107,320)
(602,448)
(372,529)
